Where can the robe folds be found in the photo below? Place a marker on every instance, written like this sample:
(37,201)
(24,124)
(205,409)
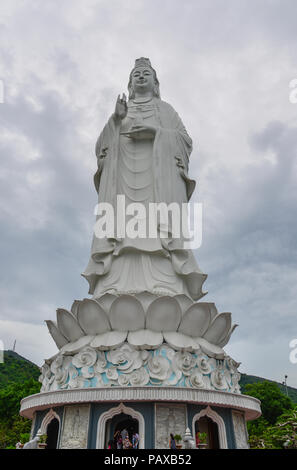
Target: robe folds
(144,171)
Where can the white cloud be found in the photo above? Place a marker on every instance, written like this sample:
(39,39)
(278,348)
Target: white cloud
(32,341)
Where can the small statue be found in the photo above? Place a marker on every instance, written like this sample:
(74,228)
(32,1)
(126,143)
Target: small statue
(33,444)
(189,440)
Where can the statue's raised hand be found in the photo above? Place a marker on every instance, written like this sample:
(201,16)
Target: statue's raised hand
(121,107)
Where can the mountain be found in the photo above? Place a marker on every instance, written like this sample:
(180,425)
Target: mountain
(250,379)
(16,369)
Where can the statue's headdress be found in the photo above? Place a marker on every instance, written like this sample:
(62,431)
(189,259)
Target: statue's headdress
(144,62)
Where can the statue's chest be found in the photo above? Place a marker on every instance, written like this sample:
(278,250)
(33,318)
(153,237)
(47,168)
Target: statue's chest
(142,112)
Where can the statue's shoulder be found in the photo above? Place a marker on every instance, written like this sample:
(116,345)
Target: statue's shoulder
(166,106)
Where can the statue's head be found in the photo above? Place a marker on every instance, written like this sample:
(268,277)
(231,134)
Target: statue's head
(144,78)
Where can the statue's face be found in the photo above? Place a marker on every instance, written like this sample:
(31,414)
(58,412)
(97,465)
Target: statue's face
(143,80)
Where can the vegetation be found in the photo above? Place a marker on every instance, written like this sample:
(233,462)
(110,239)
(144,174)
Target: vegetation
(278,424)
(273,402)
(283,434)
(202,437)
(18,379)
(16,369)
(250,379)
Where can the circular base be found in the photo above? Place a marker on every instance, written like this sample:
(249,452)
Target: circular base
(249,405)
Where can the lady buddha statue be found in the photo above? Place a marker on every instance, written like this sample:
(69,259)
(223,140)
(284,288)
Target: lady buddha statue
(143,154)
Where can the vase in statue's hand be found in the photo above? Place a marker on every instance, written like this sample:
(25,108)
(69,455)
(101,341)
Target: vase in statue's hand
(141,132)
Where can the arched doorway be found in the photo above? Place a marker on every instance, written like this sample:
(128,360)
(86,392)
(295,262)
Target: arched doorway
(105,424)
(52,434)
(119,426)
(210,428)
(51,427)
(214,427)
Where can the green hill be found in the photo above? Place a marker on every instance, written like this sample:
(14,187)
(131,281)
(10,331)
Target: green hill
(16,369)
(18,379)
(250,379)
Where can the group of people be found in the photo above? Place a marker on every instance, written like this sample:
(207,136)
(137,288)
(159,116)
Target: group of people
(121,440)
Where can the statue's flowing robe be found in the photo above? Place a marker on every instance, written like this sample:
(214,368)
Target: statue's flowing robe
(144,171)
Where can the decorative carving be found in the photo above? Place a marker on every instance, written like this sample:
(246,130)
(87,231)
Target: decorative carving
(240,430)
(169,419)
(75,427)
(128,366)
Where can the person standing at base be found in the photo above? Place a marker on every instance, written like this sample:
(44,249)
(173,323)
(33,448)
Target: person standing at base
(127,443)
(110,444)
(124,434)
(172,444)
(135,440)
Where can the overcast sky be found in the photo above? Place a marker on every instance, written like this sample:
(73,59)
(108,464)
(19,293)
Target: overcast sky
(225,66)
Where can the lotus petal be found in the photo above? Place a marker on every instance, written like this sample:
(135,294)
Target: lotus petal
(145,298)
(52,358)
(210,349)
(184,302)
(196,320)
(180,341)
(164,314)
(213,310)
(74,307)
(109,340)
(145,339)
(106,301)
(225,340)
(92,318)
(76,346)
(58,338)
(219,328)
(68,325)
(126,313)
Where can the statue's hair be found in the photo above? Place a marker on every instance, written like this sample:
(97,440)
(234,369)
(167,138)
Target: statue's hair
(156,90)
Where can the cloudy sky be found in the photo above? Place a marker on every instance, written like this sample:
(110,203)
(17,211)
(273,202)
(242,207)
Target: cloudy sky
(226,67)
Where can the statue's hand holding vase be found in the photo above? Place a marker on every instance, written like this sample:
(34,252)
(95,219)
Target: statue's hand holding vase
(141,132)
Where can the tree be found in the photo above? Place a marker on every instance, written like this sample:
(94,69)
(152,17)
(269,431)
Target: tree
(281,435)
(273,402)
(12,425)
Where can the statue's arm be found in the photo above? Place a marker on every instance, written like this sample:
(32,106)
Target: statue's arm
(183,140)
(103,147)
(182,146)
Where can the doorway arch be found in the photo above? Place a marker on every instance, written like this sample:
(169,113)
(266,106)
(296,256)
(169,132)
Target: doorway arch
(51,427)
(219,428)
(118,424)
(118,410)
